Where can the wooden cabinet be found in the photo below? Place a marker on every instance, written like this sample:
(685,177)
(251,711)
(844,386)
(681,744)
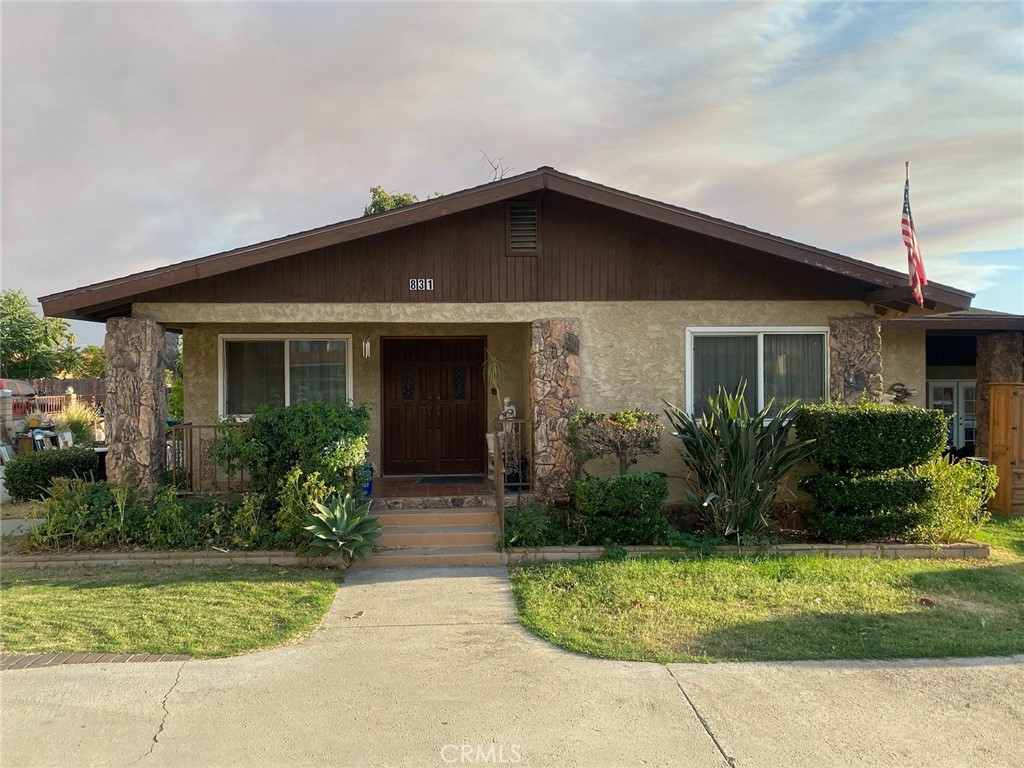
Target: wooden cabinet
(1006,446)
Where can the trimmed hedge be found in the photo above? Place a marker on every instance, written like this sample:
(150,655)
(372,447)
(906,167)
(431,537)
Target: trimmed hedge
(857,528)
(871,437)
(893,491)
(30,475)
(620,510)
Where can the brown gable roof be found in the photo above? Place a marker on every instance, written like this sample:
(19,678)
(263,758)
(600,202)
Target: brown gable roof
(96,301)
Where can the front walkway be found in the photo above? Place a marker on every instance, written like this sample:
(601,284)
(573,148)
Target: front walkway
(423,667)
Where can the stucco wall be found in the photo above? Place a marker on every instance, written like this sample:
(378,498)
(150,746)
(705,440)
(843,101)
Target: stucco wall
(631,353)
(903,360)
(509,342)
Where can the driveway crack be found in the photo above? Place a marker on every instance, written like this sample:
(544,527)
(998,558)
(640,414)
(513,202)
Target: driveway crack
(730,761)
(163,719)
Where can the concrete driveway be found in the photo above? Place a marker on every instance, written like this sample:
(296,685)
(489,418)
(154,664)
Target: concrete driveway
(429,668)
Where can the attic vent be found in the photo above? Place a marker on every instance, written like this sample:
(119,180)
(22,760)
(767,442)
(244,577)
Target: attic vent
(523,232)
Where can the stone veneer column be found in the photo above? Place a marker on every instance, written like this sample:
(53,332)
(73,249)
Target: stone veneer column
(136,405)
(1000,358)
(554,398)
(855,358)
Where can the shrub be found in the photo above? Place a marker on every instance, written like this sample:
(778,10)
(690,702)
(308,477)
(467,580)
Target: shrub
(329,438)
(85,514)
(534,525)
(621,510)
(892,491)
(627,434)
(868,451)
(736,461)
(868,526)
(297,495)
(956,510)
(29,475)
(80,419)
(869,436)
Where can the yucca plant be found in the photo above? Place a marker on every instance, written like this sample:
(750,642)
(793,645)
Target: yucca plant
(343,529)
(736,460)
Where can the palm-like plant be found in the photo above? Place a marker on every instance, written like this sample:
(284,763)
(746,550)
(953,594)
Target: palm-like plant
(343,529)
(736,460)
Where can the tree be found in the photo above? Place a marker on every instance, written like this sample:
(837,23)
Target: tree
(92,362)
(497,165)
(32,346)
(382,201)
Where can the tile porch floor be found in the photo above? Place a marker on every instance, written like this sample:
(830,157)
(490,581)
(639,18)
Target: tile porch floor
(410,487)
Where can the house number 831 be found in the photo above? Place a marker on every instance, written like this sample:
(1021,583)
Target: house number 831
(421,283)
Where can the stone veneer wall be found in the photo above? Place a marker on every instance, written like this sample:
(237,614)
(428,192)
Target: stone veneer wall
(554,398)
(136,404)
(855,358)
(1000,358)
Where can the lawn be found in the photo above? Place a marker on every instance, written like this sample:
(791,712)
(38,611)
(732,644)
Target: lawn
(782,608)
(205,612)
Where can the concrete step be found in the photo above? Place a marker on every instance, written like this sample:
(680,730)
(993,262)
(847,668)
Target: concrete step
(437,536)
(458,517)
(428,556)
(485,499)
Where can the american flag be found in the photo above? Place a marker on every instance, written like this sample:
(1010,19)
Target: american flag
(915,263)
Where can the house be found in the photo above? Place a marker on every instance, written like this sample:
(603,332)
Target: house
(590,297)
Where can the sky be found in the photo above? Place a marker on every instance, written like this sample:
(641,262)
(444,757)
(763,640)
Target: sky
(138,135)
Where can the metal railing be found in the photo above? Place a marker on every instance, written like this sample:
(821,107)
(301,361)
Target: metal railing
(513,461)
(191,468)
(22,405)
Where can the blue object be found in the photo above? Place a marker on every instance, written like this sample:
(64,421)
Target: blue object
(368,485)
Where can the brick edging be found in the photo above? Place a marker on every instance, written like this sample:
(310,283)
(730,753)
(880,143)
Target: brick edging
(163,558)
(960,551)
(35,660)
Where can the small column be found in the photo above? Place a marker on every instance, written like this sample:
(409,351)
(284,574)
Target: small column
(136,404)
(1000,358)
(855,358)
(555,397)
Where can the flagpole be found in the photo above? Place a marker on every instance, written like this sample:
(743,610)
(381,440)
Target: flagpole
(907,165)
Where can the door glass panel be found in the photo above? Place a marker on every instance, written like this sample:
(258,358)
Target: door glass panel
(968,410)
(459,383)
(408,384)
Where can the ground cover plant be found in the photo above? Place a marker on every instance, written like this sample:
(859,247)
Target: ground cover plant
(782,608)
(206,612)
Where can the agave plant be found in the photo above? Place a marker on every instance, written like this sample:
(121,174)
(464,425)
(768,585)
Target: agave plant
(736,460)
(342,528)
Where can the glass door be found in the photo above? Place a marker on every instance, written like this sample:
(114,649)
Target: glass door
(957,398)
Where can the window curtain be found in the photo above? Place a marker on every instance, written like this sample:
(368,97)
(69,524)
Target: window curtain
(794,367)
(254,374)
(724,361)
(317,370)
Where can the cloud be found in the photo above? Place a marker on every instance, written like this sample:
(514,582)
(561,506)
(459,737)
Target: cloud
(136,135)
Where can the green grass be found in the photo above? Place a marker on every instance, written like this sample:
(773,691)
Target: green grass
(205,612)
(782,608)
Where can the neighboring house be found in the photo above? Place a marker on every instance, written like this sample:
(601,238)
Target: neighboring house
(590,297)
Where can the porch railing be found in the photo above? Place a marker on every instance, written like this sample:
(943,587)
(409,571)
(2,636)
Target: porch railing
(189,464)
(46,404)
(513,462)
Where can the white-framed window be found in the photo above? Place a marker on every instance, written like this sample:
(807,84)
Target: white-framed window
(787,363)
(282,368)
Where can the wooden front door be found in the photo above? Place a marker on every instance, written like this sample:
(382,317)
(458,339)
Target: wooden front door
(434,407)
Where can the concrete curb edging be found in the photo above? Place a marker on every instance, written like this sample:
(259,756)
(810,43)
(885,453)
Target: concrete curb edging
(164,558)
(964,550)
